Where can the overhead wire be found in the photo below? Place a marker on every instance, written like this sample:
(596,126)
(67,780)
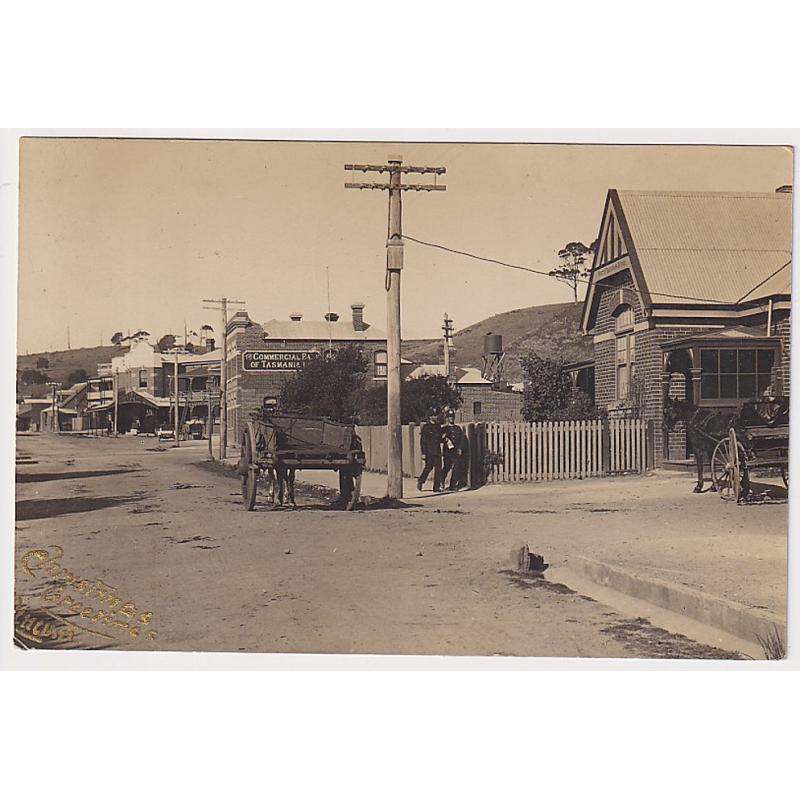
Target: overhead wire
(602,285)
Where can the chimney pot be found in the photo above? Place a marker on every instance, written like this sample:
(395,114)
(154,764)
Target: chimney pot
(331,316)
(295,317)
(358,316)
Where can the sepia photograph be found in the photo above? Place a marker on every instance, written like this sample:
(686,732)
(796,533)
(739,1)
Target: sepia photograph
(403,398)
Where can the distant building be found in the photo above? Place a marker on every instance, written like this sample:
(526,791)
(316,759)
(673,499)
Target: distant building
(145,384)
(482,400)
(262,357)
(29,413)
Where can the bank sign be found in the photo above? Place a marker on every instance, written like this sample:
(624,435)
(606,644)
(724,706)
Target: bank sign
(278,361)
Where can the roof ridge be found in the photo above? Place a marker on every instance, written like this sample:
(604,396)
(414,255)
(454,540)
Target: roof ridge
(718,249)
(704,193)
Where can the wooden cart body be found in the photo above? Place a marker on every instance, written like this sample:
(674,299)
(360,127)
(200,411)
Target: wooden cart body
(274,444)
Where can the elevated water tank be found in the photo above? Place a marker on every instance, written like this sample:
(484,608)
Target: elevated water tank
(492,344)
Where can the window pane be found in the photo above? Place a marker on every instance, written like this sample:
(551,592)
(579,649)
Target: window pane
(709,387)
(747,361)
(727,362)
(631,348)
(764,381)
(765,360)
(747,386)
(621,350)
(622,383)
(727,385)
(476,407)
(709,360)
(624,318)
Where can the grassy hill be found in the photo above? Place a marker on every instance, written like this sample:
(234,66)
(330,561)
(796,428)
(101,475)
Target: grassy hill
(550,331)
(62,362)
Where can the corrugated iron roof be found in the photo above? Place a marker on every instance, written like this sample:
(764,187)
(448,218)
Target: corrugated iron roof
(342,330)
(462,375)
(733,333)
(712,246)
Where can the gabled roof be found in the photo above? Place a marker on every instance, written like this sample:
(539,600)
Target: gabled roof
(469,375)
(150,399)
(714,246)
(702,248)
(425,371)
(461,375)
(73,393)
(339,331)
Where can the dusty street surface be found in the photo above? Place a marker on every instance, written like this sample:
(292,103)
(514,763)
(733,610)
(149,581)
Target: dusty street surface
(193,571)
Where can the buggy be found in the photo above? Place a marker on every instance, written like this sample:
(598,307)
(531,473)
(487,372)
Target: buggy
(757,439)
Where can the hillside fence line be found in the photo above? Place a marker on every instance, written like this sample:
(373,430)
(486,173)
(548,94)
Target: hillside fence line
(503,452)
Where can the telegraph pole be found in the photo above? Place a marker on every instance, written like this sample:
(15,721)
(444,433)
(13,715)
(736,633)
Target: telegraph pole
(54,421)
(448,340)
(116,400)
(222,305)
(176,418)
(210,421)
(394,266)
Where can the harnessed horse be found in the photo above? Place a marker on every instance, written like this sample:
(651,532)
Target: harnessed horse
(704,429)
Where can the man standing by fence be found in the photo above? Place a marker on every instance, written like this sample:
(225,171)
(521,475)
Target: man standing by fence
(431,445)
(452,436)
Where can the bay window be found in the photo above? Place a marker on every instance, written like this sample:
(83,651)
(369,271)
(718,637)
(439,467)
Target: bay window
(735,373)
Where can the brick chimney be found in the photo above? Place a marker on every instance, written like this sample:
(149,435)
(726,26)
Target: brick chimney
(295,317)
(331,316)
(358,317)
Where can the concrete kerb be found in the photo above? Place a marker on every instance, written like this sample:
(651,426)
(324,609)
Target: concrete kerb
(716,612)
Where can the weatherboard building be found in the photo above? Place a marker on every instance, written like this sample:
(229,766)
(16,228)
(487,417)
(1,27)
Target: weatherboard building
(689,296)
(262,357)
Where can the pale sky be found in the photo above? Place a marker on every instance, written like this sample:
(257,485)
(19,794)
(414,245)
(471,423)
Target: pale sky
(119,234)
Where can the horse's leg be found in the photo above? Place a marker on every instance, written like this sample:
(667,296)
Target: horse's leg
(271,479)
(290,486)
(281,475)
(698,457)
(710,453)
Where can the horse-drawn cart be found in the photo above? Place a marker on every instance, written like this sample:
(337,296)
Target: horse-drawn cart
(757,439)
(274,446)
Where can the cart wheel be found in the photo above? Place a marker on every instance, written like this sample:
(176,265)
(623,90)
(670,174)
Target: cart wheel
(248,469)
(721,475)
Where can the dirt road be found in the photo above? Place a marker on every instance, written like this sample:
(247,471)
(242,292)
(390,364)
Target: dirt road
(158,554)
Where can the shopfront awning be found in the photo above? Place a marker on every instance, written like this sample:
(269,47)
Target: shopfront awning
(106,405)
(145,398)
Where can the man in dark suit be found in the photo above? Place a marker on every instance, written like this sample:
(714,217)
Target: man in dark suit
(431,443)
(451,451)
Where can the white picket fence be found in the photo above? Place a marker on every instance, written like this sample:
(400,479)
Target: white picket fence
(570,449)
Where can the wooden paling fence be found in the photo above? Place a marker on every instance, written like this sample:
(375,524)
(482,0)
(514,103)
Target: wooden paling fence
(524,451)
(569,449)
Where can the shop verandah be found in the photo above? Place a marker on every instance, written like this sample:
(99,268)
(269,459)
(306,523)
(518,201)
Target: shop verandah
(144,413)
